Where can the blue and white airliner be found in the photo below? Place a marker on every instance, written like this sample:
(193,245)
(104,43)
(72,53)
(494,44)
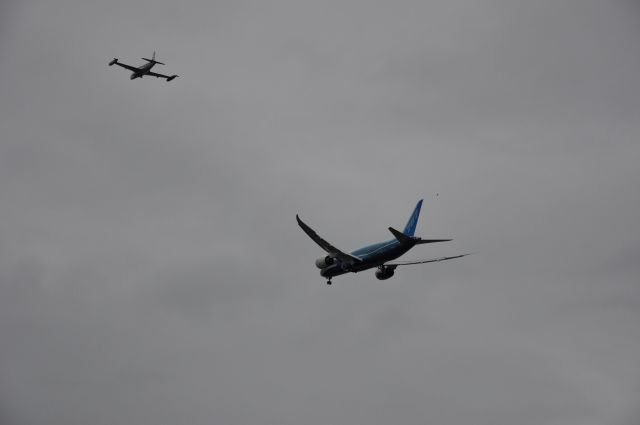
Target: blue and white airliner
(377,255)
(145,69)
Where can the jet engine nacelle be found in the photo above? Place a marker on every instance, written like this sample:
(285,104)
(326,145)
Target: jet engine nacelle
(384,273)
(324,262)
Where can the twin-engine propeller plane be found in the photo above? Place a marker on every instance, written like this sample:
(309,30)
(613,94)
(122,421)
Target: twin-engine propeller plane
(142,70)
(377,255)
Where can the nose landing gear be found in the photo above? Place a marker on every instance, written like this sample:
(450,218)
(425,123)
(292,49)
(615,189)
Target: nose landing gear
(328,282)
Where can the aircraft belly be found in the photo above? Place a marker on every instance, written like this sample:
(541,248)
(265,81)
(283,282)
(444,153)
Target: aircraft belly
(367,262)
(332,271)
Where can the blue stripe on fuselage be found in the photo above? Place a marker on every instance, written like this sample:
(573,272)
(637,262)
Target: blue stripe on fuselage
(375,249)
(371,256)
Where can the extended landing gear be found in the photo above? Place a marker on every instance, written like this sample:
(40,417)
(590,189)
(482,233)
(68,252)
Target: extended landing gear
(328,282)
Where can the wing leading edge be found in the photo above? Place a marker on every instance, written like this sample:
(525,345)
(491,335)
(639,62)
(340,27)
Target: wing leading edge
(331,250)
(431,260)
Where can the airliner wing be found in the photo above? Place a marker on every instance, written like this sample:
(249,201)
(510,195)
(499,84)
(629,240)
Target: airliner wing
(431,260)
(332,250)
(129,67)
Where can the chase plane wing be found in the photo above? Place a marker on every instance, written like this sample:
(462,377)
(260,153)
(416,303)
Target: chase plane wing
(155,74)
(124,65)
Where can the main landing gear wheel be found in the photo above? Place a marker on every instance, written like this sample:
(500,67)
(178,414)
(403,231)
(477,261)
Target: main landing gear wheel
(328,282)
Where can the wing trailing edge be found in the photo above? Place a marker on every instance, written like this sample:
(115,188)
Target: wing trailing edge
(330,249)
(430,260)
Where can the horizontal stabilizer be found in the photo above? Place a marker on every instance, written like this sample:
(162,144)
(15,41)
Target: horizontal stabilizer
(153,61)
(401,237)
(405,239)
(421,241)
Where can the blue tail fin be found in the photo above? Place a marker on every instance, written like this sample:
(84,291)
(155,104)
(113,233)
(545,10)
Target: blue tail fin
(410,228)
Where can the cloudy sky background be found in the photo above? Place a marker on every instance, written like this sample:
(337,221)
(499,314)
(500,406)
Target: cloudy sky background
(151,271)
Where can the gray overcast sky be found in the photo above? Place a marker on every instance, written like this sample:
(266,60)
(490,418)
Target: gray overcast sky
(151,270)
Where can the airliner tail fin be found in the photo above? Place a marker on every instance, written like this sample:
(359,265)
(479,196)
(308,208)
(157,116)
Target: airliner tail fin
(410,228)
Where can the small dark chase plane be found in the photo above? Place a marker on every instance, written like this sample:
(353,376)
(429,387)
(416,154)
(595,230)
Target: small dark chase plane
(142,70)
(377,255)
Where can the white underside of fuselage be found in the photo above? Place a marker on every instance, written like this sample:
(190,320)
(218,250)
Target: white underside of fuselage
(373,259)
